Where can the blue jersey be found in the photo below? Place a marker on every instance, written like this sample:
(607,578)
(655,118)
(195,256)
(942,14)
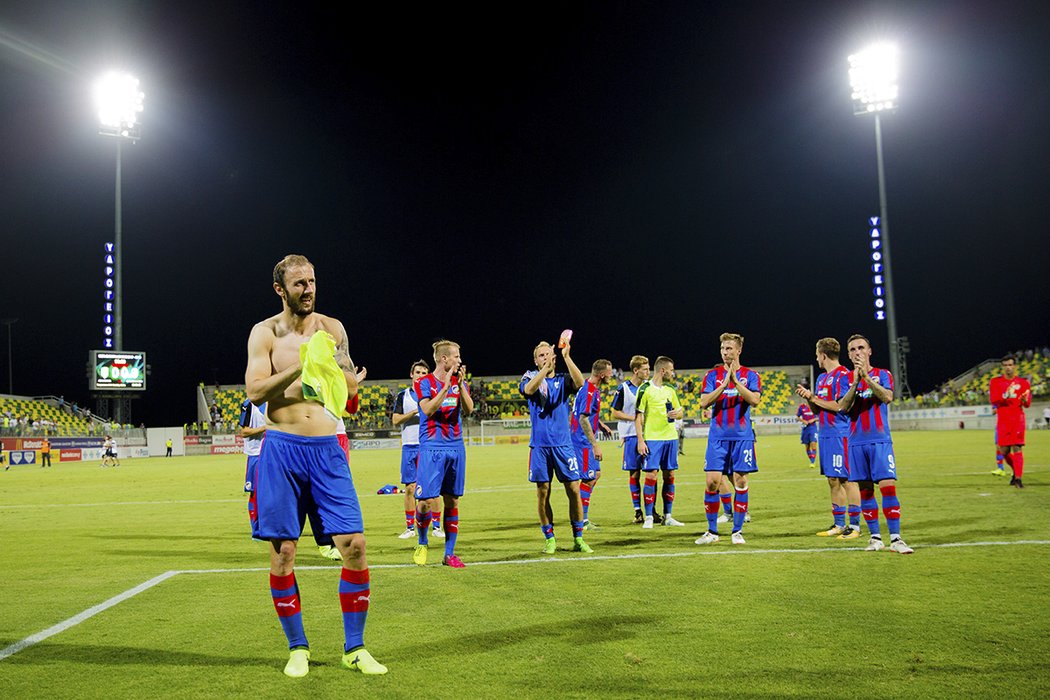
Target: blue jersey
(832,386)
(730,414)
(443,427)
(586,407)
(869,417)
(549,410)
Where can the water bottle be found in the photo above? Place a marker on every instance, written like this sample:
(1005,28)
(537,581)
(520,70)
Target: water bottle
(670,408)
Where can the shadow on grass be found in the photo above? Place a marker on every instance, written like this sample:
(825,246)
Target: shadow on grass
(577,632)
(135,656)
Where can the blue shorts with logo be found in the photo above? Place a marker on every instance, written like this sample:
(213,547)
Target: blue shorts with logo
(809,434)
(409,460)
(730,457)
(589,465)
(632,461)
(300,477)
(545,462)
(250,471)
(872,461)
(441,471)
(834,457)
(663,454)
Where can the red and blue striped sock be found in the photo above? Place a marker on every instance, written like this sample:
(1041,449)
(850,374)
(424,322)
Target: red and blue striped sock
(891,508)
(838,514)
(668,493)
(727,503)
(636,495)
(649,492)
(353,600)
(869,508)
(585,497)
(739,509)
(285,593)
(577,528)
(435,519)
(711,508)
(451,530)
(999,461)
(548,531)
(423,527)
(410,519)
(854,515)
(812,454)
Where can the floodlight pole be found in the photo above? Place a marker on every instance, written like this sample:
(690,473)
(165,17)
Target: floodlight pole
(884,221)
(118,306)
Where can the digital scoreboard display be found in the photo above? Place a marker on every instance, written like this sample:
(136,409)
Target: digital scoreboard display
(119,371)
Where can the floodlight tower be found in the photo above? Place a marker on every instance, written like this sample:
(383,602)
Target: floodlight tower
(873,75)
(119,103)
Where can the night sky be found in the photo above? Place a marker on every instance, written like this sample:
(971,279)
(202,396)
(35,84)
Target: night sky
(648,174)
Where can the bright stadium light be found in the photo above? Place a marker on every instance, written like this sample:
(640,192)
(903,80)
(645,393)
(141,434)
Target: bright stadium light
(119,104)
(873,76)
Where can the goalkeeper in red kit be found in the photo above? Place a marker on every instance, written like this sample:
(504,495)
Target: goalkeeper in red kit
(1011,395)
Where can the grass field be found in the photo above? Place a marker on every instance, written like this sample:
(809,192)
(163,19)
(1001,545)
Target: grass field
(649,614)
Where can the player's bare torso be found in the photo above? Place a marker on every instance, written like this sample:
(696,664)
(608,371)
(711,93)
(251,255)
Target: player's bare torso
(290,412)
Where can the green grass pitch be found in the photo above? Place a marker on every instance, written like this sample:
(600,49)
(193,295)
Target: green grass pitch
(649,614)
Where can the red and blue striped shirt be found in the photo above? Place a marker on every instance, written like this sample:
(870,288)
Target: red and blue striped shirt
(869,419)
(587,406)
(730,414)
(443,427)
(832,386)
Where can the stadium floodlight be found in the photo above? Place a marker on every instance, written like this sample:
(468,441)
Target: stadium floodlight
(873,75)
(119,103)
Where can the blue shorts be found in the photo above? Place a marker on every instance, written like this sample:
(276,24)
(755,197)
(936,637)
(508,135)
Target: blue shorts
(872,461)
(442,471)
(663,454)
(834,457)
(730,457)
(250,471)
(589,466)
(809,434)
(300,477)
(409,460)
(632,461)
(557,461)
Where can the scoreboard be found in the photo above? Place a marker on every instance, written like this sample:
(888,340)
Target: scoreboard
(119,371)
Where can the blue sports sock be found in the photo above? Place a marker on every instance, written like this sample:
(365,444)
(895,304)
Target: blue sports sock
(711,509)
(548,531)
(668,493)
(285,593)
(585,496)
(891,508)
(649,493)
(739,509)
(423,527)
(435,519)
(838,513)
(727,503)
(451,530)
(577,528)
(854,515)
(636,493)
(353,600)
(869,507)
(999,462)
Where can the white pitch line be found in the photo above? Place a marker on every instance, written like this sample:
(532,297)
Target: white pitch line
(122,503)
(92,611)
(80,617)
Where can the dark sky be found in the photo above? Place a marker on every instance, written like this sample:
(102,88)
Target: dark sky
(649,174)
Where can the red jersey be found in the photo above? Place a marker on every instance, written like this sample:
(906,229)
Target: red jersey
(1010,398)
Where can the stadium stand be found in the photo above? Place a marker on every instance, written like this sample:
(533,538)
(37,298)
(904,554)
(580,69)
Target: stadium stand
(971,387)
(24,416)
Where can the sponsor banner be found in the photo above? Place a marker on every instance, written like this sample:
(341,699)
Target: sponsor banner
(946,412)
(696,431)
(69,455)
(226,440)
(7,444)
(92,454)
(512,439)
(74,442)
(378,444)
(137,452)
(197,440)
(374,434)
(775,420)
(18,457)
(225,449)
